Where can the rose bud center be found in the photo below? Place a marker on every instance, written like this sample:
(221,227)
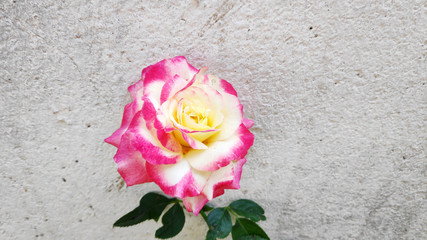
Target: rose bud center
(194,111)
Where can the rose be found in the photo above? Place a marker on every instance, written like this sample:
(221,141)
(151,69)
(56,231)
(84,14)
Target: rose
(185,131)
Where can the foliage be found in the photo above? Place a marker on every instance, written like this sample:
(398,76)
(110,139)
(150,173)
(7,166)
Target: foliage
(219,220)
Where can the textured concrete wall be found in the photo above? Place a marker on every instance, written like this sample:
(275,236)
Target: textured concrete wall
(336,89)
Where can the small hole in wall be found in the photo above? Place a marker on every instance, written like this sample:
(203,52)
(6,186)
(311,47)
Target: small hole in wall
(77,161)
(88,125)
(64,180)
(311,28)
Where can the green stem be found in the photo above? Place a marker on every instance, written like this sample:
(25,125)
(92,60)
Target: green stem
(233,213)
(204,216)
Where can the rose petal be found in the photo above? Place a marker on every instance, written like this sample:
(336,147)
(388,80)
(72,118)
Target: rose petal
(248,122)
(221,153)
(162,120)
(232,111)
(179,88)
(178,180)
(227,87)
(129,113)
(150,147)
(157,128)
(195,204)
(135,91)
(188,141)
(221,85)
(155,76)
(202,95)
(131,165)
(225,178)
(220,186)
(196,97)
(171,87)
(202,135)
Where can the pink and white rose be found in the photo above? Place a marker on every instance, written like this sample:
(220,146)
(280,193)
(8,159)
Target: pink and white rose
(185,131)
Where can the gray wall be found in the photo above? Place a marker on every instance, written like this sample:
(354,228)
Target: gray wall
(336,89)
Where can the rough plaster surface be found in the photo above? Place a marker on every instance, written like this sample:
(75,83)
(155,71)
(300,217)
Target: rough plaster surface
(336,89)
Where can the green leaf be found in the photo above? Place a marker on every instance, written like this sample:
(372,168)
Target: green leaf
(173,222)
(246,229)
(208,207)
(219,222)
(133,217)
(150,206)
(249,209)
(211,235)
(154,204)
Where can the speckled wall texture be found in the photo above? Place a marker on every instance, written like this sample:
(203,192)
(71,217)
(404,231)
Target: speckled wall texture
(336,89)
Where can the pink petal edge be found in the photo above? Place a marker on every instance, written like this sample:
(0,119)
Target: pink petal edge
(156,127)
(185,187)
(196,203)
(131,165)
(248,123)
(220,154)
(156,75)
(151,150)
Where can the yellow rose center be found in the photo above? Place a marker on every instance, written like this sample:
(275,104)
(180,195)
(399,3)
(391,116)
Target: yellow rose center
(193,115)
(193,110)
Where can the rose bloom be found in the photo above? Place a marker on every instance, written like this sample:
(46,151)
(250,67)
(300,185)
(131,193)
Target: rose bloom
(185,131)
